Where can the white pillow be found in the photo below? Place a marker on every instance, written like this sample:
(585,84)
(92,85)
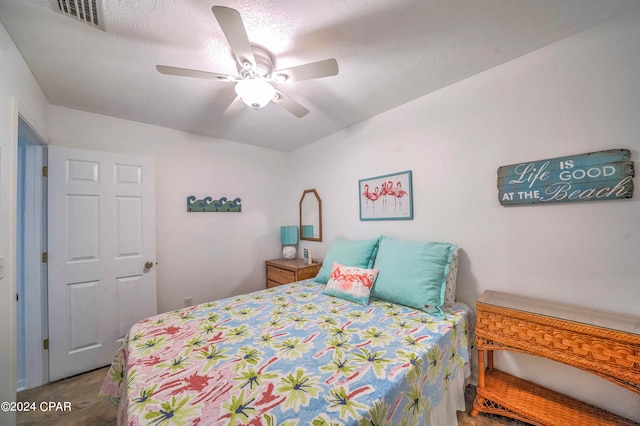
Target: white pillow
(450,290)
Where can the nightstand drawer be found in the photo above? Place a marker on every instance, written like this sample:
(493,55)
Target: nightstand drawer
(271,284)
(281,276)
(285,271)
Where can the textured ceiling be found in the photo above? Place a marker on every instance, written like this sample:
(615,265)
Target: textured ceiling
(389,52)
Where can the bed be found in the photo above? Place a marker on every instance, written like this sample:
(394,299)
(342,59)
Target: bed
(290,355)
(314,352)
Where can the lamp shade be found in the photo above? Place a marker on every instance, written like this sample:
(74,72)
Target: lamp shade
(288,235)
(255,92)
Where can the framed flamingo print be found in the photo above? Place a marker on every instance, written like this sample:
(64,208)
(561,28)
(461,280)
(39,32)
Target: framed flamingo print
(387,197)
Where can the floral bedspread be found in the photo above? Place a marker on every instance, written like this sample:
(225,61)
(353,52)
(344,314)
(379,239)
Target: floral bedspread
(287,356)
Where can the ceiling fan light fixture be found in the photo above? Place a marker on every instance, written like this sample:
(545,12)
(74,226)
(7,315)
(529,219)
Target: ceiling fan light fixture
(255,92)
(255,68)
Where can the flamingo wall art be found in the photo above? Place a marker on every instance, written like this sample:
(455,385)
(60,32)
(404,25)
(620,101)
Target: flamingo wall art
(387,197)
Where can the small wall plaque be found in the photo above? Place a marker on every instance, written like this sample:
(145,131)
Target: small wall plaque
(208,204)
(602,175)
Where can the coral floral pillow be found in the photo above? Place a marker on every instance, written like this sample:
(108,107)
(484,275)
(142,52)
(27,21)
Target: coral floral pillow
(351,283)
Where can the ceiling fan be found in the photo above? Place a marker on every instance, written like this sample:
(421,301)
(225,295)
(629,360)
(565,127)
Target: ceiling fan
(255,69)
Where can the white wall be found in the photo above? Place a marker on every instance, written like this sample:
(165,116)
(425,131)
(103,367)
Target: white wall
(576,96)
(201,255)
(19,93)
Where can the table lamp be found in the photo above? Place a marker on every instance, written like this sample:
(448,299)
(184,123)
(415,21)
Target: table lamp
(289,239)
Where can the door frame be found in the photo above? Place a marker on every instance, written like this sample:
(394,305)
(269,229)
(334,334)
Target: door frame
(36,327)
(34,271)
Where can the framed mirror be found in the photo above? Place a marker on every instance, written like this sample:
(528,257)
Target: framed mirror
(310,216)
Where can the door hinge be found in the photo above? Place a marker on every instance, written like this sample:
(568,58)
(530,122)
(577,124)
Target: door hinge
(45,257)
(45,344)
(45,171)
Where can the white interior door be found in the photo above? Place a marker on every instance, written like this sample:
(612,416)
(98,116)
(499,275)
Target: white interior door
(101,234)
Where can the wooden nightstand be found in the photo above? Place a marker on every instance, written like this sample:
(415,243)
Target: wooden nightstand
(285,271)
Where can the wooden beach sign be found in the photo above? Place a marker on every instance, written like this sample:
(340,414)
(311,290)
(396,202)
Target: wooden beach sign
(602,175)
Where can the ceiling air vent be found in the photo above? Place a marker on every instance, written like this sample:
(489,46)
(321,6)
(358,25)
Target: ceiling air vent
(87,11)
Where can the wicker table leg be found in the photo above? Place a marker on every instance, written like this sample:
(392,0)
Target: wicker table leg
(479,400)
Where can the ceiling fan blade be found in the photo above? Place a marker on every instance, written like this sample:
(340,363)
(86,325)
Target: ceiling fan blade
(234,107)
(319,69)
(290,105)
(231,23)
(185,72)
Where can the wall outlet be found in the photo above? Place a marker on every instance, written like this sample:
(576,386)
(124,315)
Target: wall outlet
(1,267)
(188,301)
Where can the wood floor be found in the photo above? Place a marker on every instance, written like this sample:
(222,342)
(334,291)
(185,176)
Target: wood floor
(88,409)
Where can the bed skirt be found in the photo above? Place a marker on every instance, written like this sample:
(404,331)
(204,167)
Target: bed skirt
(445,413)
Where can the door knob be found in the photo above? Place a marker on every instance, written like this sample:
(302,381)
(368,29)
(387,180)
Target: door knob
(148,265)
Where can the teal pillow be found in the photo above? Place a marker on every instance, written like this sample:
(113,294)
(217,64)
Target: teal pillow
(359,254)
(413,273)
